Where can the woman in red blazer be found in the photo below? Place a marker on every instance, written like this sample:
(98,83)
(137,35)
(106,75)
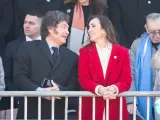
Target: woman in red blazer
(104,69)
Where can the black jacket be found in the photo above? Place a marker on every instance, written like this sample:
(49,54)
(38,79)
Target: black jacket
(32,64)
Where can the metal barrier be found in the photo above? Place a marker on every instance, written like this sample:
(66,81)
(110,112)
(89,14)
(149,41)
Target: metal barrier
(79,94)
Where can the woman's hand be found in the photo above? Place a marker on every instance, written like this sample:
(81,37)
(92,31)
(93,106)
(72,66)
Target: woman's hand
(110,92)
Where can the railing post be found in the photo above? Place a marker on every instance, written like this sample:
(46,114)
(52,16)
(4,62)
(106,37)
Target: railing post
(66,108)
(39,108)
(134,108)
(148,107)
(53,101)
(25,108)
(80,108)
(107,109)
(93,108)
(121,109)
(12,105)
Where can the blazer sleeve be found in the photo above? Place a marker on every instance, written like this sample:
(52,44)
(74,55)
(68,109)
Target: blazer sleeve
(115,15)
(125,79)
(2,83)
(22,69)
(8,67)
(84,77)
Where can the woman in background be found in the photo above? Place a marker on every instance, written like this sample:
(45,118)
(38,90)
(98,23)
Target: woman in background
(79,12)
(104,69)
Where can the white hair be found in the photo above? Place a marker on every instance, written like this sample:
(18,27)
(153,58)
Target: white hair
(153,16)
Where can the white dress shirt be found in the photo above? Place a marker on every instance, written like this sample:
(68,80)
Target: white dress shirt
(29,39)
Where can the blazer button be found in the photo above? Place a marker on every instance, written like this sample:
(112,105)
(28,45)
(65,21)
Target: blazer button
(48,0)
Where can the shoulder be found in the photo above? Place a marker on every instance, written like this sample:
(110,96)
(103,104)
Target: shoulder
(120,48)
(68,53)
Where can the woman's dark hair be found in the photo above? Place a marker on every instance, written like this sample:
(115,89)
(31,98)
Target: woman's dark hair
(107,26)
(51,19)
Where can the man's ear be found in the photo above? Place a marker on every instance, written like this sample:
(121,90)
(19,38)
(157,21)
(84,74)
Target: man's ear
(146,27)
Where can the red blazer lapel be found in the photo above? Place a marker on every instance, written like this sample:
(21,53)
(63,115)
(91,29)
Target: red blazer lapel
(113,60)
(94,57)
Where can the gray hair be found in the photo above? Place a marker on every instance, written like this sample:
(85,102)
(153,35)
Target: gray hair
(153,16)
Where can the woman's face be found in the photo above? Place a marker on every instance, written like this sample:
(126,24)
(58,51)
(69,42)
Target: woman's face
(95,30)
(83,2)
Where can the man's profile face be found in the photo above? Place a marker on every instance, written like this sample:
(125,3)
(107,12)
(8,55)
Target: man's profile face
(60,33)
(153,28)
(31,26)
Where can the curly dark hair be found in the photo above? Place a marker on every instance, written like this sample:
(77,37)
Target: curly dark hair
(51,19)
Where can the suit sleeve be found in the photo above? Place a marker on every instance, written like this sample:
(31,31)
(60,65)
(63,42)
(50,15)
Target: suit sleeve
(8,67)
(22,70)
(125,79)
(115,15)
(72,81)
(84,77)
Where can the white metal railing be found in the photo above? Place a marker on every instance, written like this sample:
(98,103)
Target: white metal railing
(79,94)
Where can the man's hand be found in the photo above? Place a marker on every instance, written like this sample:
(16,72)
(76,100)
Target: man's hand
(130,108)
(54,88)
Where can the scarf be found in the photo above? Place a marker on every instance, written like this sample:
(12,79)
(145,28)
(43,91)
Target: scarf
(78,34)
(143,73)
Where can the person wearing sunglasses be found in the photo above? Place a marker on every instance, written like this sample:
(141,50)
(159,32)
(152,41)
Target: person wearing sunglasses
(141,53)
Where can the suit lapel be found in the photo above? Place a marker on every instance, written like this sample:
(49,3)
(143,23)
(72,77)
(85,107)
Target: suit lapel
(44,47)
(96,61)
(113,60)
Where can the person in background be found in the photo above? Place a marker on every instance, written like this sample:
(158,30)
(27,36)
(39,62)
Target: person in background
(141,52)
(32,24)
(79,12)
(103,69)
(22,7)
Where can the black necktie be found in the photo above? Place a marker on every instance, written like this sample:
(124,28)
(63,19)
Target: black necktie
(55,54)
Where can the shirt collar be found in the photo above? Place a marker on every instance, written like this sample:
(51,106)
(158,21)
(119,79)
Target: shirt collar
(51,45)
(29,39)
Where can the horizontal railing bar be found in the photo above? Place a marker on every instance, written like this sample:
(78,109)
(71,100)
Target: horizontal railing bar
(72,93)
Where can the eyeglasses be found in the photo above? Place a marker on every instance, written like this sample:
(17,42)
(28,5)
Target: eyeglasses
(154,32)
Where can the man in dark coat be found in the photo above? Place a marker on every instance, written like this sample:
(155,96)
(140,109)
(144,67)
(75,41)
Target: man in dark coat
(47,58)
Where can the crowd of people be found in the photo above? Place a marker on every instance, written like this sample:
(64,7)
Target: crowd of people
(104,47)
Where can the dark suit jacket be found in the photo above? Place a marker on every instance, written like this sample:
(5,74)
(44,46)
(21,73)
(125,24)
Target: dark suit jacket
(128,16)
(6,19)
(9,54)
(32,64)
(22,7)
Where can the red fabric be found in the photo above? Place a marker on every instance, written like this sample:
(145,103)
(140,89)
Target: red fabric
(90,75)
